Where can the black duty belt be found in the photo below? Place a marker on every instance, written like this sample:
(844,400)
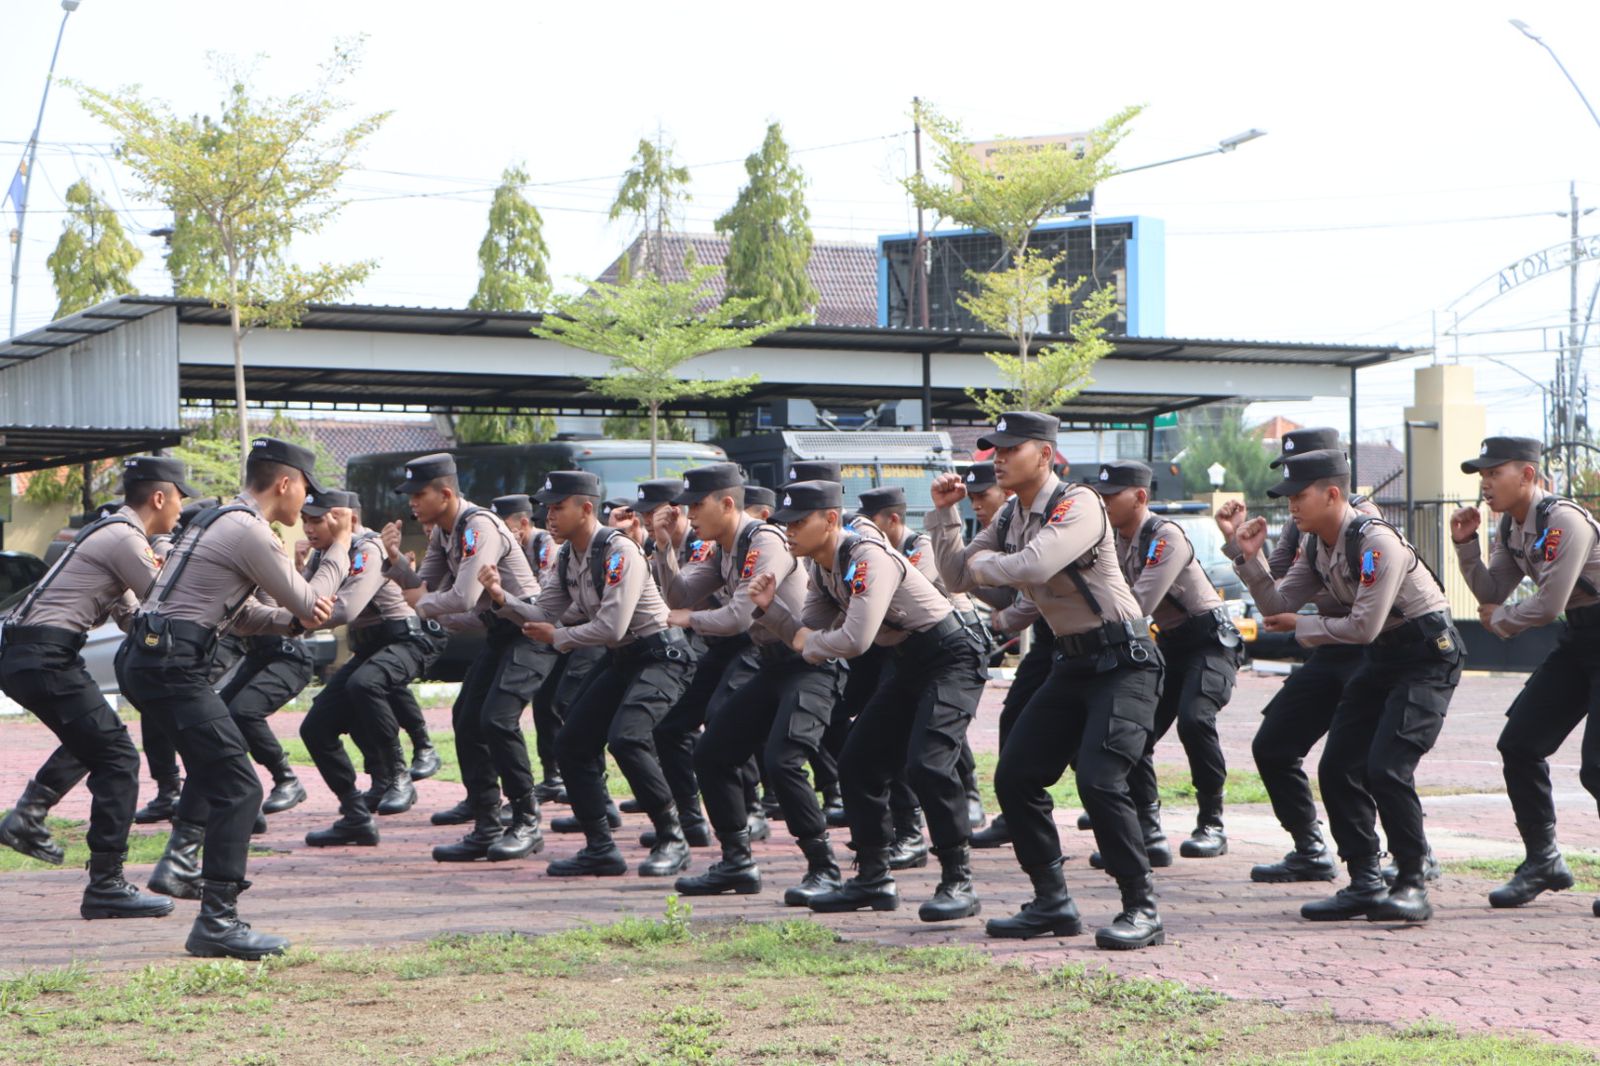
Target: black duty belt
(1204,628)
(775,654)
(670,640)
(927,641)
(1584,617)
(1093,642)
(148,630)
(719,642)
(56,635)
(1424,627)
(265,646)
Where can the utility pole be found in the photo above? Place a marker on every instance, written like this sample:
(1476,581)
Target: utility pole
(1574,347)
(919,257)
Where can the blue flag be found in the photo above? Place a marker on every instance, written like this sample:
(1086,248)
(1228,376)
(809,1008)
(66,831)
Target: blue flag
(18,193)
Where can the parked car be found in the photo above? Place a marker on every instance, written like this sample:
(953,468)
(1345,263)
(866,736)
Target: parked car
(19,570)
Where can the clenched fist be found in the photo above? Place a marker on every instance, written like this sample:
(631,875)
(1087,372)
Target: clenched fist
(948,490)
(1230,516)
(1252,536)
(1464,524)
(390,536)
(763,587)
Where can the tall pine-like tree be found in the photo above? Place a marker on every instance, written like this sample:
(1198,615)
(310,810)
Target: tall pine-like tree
(651,191)
(94,257)
(513,275)
(769,236)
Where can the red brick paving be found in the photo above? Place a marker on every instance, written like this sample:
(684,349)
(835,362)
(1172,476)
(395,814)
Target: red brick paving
(1530,969)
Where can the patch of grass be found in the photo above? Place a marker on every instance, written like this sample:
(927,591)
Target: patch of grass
(1426,1046)
(28,987)
(144,847)
(1585,870)
(1142,997)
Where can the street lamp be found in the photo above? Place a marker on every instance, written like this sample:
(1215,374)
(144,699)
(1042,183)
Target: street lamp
(1227,144)
(24,178)
(1217,474)
(1527,31)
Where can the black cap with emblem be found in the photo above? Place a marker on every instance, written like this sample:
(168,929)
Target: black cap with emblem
(759,495)
(876,501)
(657,493)
(804,497)
(559,484)
(813,470)
(424,469)
(1120,474)
(155,468)
(320,503)
(1300,441)
(705,481)
(516,503)
(1498,450)
(1306,469)
(273,450)
(1019,427)
(980,477)
(615,503)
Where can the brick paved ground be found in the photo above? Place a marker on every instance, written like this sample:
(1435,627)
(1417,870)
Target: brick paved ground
(1531,969)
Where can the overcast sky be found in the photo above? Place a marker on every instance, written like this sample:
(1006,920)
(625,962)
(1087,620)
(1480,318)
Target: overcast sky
(1413,149)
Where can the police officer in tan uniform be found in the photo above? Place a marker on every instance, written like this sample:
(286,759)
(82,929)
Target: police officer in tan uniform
(1393,706)
(466,541)
(101,574)
(759,501)
(864,593)
(516,510)
(166,673)
(1198,642)
(1553,542)
(1096,709)
(781,709)
(604,597)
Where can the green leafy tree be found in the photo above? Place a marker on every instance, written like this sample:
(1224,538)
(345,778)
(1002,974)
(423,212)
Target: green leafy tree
(210,450)
(651,191)
(476,428)
(633,426)
(1018,302)
(649,328)
(1239,451)
(94,257)
(512,275)
(65,484)
(769,235)
(1008,194)
(265,172)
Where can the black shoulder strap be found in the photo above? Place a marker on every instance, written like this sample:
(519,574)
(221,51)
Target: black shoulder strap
(197,527)
(562,556)
(61,564)
(1542,513)
(1002,522)
(598,548)
(1352,549)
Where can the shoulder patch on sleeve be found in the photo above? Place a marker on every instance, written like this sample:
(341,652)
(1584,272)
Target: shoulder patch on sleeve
(614,565)
(751,557)
(1369,566)
(701,550)
(1549,544)
(855,578)
(469,542)
(1059,514)
(1158,550)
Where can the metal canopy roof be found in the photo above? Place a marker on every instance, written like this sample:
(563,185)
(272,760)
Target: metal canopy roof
(24,448)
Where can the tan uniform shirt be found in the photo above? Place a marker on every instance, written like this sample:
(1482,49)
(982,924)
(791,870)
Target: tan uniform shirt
(450,568)
(1569,550)
(1391,587)
(101,577)
(1167,579)
(626,607)
(919,552)
(876,597)
(1038,549)
(228,561)
(365,598)
(728,578)
(688,574)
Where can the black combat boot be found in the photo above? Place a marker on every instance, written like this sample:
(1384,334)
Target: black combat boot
(735,872)
(1157,850)
(355,828)
(162,807)
(630,806)
(1208,839)
(993,835)
(1365,891)
(955,897)
(1085,823)
(1309,861)
(570,823)
(552,789)
(599,857)
(1408,896)
(872,886)
(1050,912)
(1430,868)
(833,806)
(287,791)
(910,848)
(822,873)
(1544,870)
(670,853)
(399,794)
(23,829)
(261,825)
(486,831)
(522,837)
(110,896)
(219,934)
(1138,926)
(460,814)
(425,761)
(177,872)
(692,818)
(760,828)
